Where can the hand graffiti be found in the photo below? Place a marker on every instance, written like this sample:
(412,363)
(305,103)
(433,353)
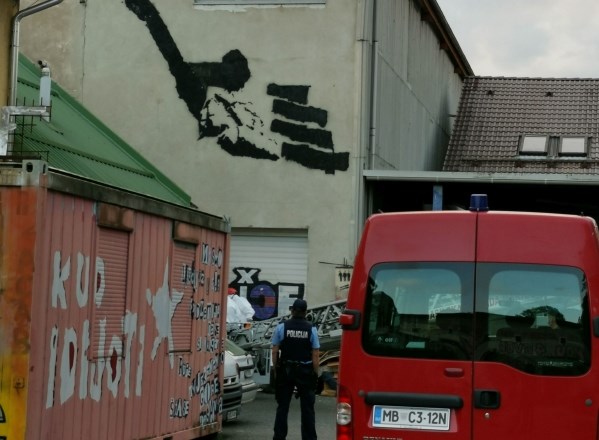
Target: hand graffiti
(191,79)
(232,122)
(229,121)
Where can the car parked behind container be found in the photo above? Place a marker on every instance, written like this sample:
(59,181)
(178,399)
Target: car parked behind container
(245,366)
(232,390)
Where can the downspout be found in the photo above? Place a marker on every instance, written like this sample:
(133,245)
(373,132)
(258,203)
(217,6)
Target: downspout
(367,131)
(14,60)
(373,85)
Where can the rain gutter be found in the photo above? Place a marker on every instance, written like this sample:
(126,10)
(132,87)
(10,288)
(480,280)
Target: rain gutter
(448,176)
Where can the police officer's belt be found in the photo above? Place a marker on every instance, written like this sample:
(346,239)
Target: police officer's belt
(296,363)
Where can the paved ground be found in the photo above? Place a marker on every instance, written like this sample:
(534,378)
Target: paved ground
(257,419)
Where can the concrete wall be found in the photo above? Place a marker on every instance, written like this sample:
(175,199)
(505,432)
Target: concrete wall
(57,35)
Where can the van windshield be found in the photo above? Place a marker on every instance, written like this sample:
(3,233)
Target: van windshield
(531,317)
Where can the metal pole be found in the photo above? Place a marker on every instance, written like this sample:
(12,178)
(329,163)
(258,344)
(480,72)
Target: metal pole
(15,44)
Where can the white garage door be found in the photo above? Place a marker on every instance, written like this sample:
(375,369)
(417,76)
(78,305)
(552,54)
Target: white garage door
(281,259)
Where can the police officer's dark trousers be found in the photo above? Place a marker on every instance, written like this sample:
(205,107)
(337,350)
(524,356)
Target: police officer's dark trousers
(289,376)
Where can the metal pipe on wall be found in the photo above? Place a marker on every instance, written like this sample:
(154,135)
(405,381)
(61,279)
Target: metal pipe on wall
(14,57)
(367,135)
(373,86)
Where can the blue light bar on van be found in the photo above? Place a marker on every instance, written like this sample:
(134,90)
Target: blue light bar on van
(479,202)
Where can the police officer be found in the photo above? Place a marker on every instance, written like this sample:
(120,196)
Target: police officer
(295,353)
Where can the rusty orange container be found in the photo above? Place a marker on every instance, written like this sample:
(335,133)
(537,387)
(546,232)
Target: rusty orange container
(112,313)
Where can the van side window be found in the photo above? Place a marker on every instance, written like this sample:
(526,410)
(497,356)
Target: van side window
(420,310)
(533,318)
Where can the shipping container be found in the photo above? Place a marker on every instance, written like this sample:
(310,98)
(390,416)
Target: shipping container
(112,311)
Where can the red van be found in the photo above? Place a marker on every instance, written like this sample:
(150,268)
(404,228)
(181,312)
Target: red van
(472,325)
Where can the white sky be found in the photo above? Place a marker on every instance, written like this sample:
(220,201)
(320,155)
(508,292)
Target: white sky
(527,38)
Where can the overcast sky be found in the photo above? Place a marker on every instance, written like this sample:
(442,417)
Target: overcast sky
(530,38)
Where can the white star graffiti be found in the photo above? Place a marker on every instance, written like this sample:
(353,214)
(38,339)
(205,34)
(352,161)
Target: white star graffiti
(163,307)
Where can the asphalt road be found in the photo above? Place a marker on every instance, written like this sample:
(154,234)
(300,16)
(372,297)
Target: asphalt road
(257,418)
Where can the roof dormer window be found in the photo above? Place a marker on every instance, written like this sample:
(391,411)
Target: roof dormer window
(573,146)
(553,146)
(534,144)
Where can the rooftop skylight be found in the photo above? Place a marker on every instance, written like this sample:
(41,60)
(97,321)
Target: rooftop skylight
(573,146)
(533,145)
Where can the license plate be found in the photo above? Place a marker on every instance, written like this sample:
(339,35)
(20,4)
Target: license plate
(231,415)
(434,419)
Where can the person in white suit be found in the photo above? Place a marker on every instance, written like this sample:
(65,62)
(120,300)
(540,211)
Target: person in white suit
(239,309)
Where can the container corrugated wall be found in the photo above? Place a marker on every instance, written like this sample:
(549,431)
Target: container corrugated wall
(127,321)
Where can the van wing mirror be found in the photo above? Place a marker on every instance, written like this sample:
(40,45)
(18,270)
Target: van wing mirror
(350,319)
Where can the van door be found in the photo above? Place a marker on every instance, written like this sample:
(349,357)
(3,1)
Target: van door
(532,330)
(406,368)
(418,319)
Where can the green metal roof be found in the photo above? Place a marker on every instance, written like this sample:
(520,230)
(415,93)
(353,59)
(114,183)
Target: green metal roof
(76,142)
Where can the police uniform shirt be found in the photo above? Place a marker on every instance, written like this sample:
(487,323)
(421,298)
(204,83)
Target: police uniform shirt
(296,334)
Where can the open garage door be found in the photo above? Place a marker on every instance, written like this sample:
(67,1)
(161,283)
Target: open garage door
(269,269)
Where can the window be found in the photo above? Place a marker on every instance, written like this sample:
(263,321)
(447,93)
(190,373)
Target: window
(420,310)
(553,146)
(532,317)
(534,145)
(258,2)
(573,146)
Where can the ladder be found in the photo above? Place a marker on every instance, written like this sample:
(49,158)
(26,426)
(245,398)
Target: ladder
(256,336)
(325,318)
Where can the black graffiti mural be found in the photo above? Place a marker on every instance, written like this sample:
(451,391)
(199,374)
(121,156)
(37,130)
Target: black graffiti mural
(192,79)
(313,147)
(226,118)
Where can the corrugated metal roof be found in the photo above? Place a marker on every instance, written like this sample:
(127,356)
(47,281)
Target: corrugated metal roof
(76,142)
(495,112)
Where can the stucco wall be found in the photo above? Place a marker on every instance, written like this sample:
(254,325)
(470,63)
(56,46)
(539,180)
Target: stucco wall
(229,131)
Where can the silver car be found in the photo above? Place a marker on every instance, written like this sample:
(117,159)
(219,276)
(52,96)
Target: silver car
(245,367)
(232,391)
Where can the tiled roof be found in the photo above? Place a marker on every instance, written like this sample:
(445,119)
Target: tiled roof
(74,141)
(495,112)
